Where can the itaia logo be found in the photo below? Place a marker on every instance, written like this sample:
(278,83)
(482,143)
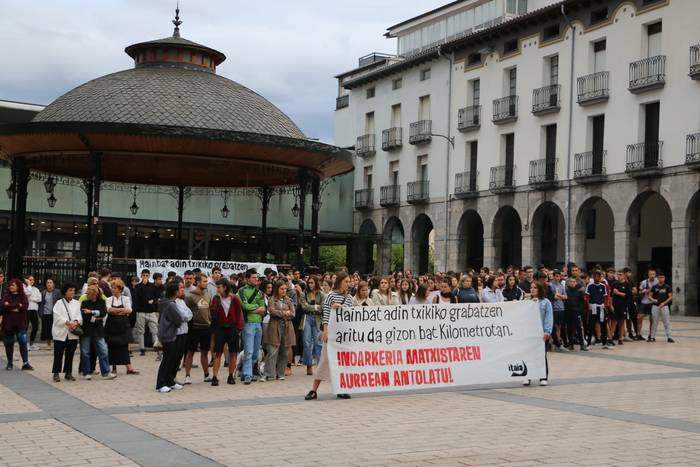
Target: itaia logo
(518,369)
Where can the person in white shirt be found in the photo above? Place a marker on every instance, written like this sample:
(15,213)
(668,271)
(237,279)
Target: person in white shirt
(34,299)
(66,319)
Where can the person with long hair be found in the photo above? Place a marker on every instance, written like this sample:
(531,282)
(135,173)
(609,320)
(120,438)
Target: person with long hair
(169,322)
(383,295)
(404,294)
(336,299)
(94,310)
(361,298)
(491,293)
(118,328)
(15,323)
(421,297)
(465,292)
(511,292)
(227,314)
(66,320)
(538,294)
(279,333)
(311,302)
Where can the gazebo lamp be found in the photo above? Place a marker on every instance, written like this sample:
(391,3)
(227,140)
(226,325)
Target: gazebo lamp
(225,211)
(10,191)
(50,184)
(295,209)
(134,208)
(52,200)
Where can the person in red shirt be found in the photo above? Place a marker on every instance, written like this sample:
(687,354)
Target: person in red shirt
(227,322)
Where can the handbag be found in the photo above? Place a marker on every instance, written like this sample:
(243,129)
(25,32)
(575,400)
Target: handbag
(78,331)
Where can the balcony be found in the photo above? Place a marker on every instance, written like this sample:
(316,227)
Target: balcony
(692,151)
(593,88)
(465,185)
(390,196)
(647,74)
(469,118)
(419,132)
(644,159)
(501,179)
(417,192)
(342,102)
(543,173)
(505,110)
(695,62)
(589,167)
(365,146)
(392,138)
(364,199)
(546,100)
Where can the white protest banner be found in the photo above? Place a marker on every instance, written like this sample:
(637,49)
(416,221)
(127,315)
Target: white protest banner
(164,266)
(392,348)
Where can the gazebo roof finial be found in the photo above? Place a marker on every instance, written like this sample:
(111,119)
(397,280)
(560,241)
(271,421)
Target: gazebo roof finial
(176,21)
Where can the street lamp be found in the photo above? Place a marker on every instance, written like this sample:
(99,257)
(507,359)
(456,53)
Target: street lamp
(50,184)
(52,200)
(225,210)
(10,191)
(134,207)
(295,209)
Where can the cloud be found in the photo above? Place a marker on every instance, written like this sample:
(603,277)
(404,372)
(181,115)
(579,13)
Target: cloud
(287,51)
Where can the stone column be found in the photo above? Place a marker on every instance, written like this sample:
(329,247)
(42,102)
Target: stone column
(681,273)
(578,248)
(527,242)
(384,255)
(625,249)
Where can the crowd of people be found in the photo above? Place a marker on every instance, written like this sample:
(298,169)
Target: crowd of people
(265,324)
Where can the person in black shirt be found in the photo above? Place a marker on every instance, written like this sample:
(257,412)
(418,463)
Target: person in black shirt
(621,294)
(661,297)
(573,309)
(144,302)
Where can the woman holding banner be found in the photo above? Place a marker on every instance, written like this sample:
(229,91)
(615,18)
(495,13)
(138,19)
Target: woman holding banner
(337,298)
(539,295)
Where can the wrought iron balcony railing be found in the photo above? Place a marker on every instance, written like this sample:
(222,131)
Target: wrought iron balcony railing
(364,198)
(469,118)
(392,138)
(420,132)
(648,73)
(644,158)
(543,172)
(417,192)
(365,146)
(465,184)
(390,195)
(593,88)
(505,109)
(695,61)
(546,99)
(342,102)
(501,179)
(692,150)
(589,166)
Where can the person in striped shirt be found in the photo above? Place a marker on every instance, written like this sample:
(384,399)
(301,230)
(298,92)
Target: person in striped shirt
(339,297)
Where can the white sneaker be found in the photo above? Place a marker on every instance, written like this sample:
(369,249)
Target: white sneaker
(34,347)
(263,379)
(281,378)
(109,375)
(177,386)
(87,377)
(543,382)
(188,380)
(526,382)
(163,390)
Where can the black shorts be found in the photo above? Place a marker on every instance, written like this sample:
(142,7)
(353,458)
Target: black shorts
(226,335)
(558,317)
(621,311)
(645,308)
(198,338)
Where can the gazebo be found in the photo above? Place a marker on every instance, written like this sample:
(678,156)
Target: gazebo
(170,120)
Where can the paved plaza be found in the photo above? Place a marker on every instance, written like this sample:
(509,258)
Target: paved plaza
(638,404)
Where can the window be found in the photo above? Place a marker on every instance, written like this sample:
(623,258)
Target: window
(599,15)
(396,84)
(474,59)
(422,168)
(550,32)
(516,7)
(512,81)
(510,46)
(476,92)
(554,70)
(425,74)
(473,150)
(369,123)
(654,39)
(368,176)
(396,116)
(370,93)
(590,225)
(599,56)
(394,172)
(424,108)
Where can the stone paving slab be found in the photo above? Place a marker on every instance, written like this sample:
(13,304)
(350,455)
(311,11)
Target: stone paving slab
(13,403)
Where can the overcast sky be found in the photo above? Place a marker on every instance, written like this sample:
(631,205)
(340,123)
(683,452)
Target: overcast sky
(288,51)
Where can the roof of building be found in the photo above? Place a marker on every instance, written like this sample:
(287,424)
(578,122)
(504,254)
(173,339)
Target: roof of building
(177,41)
(171,96)
(423,15)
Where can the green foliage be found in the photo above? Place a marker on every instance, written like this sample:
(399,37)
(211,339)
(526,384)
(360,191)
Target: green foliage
(396,257)
(331,257)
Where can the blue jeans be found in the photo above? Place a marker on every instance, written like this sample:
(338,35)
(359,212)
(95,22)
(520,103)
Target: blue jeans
(252,337)
(10,345)
(102,356)
(312,341)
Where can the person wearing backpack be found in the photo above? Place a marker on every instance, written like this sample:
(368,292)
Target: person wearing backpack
(253,302)
(199,333)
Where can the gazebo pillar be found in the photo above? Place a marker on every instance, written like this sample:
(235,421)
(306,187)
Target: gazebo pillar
(94,210)
(315,207)
(303,178)
(20,182)
(180,210)
(265,195)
